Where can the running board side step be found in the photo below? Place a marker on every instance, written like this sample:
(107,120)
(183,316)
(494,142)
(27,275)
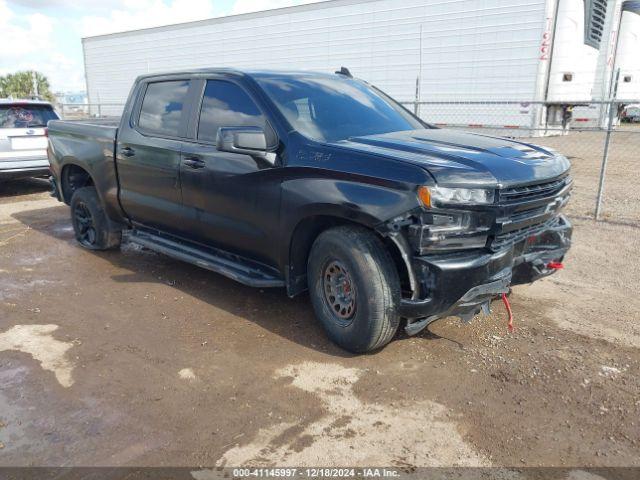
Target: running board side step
(245,271)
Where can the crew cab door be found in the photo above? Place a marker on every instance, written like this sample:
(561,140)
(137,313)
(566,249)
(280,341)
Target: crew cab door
(233,199)
(148,155)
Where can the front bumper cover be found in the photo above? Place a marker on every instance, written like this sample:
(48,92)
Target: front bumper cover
(459,284)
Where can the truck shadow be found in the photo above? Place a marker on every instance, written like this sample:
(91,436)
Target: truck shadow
(25,186)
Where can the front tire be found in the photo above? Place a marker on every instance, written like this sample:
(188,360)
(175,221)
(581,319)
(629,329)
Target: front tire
(355,288)
(90,223)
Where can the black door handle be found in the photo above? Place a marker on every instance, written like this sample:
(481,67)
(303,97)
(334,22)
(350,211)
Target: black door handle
(194,162)
(127,152)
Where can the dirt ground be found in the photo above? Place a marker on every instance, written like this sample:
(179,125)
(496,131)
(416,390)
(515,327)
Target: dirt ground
(131,358)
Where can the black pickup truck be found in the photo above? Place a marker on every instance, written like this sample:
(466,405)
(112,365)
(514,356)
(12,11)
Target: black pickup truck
(316,182)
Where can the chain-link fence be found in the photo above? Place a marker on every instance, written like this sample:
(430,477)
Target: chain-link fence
(602,140)
(82,111)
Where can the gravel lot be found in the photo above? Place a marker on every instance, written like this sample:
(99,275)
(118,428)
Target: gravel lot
(131,358)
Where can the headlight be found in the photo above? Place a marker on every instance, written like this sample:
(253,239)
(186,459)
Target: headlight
(431,196)
(450,229)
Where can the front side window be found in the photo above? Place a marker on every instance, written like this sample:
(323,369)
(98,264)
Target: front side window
(333,108)
(161,110)
(226,104)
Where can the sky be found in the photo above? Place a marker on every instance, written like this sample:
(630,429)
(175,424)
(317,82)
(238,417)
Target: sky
(45,35)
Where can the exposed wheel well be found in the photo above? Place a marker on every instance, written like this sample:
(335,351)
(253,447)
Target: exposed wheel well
(73,178)
(306,233)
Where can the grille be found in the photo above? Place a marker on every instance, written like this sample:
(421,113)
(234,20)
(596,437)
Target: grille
(533,192)
(527,214)
(505,239)
(595,13)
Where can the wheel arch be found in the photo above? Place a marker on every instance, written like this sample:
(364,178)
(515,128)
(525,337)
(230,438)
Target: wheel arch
(72,177)
(307,230)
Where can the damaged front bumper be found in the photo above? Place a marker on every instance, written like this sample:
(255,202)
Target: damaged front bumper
(462,283)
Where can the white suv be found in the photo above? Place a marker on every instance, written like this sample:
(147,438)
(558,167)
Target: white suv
(23,138)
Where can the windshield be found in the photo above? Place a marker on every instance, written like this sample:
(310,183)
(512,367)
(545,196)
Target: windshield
(25,115)
(331,109)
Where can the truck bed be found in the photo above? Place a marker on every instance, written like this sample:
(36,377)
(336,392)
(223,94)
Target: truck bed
(90,145)
(98,127)
(112,121)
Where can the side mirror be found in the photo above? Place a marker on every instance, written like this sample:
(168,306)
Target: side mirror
(245,140)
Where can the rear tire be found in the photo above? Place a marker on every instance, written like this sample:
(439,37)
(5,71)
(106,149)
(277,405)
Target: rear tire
(90,223)
(355,288)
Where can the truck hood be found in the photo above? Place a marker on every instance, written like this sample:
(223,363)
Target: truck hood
(456,158)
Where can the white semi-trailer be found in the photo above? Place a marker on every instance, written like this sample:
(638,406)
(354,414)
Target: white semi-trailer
(628,52)
(540,54)
(618,71)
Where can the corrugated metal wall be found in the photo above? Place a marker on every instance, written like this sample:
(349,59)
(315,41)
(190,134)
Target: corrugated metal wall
(471,49)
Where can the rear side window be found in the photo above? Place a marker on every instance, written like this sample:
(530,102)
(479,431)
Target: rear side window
(226,104)
(25,115)
(162,106)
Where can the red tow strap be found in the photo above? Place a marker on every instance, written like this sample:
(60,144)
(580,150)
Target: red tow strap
(505,300)
(507,305)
